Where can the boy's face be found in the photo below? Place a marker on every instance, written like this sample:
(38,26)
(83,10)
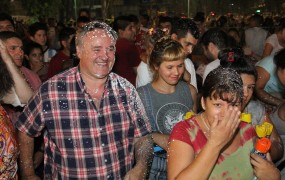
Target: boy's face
(6,25)
(40,37)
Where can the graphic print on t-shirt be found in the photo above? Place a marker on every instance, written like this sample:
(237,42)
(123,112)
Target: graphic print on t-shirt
(168,115)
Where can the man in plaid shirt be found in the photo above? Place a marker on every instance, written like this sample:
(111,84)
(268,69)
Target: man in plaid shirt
(93,121)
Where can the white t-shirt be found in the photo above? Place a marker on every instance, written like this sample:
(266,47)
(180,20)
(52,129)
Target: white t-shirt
(273,40)
(210,67)
(255,39)
(144,74)
(12,98)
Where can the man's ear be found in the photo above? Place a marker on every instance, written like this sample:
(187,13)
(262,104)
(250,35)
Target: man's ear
(78,52)
(203,103)
(213,48)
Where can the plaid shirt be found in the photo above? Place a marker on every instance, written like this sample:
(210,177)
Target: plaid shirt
(81,141)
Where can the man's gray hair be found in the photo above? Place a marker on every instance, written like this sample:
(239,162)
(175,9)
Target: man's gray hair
(91,26)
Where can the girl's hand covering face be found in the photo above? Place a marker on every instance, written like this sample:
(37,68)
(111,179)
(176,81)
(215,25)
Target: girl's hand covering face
(223,128)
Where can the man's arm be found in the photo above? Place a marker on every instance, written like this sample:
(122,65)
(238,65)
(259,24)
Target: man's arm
(263,78)
(26,145)
(143,156)
(22,88)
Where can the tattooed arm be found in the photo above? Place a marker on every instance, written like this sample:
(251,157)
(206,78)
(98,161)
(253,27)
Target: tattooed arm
(263,78)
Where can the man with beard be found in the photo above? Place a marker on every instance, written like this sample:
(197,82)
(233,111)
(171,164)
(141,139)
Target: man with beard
(212,42)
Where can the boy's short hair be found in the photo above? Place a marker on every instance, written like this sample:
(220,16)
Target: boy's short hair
(5,16)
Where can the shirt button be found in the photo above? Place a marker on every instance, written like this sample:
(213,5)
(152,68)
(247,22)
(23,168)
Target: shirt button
(103,144)
(106,160)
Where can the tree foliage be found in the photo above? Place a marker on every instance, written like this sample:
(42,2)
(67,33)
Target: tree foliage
(5,6)
(42,8)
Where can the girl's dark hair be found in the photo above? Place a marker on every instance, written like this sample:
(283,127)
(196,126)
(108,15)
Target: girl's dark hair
(234,58)
(6,79)
(31,46)
(223,83)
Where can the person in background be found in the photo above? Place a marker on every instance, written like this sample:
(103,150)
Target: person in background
(145,21)
(84,12)
(14,46)
(144,74)
(92,118)
(276,41)
(255,36)
(56,62)
(16,96)
(9,148)
(270,84)
(81,21)
(38,34)
(34,56)
(199,20)
(6,22)
(165,23)
(167,98)
(212,42)
(235,59)
(127,55)
(187,34)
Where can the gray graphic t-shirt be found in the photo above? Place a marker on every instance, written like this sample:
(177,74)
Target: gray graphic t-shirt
(165,110)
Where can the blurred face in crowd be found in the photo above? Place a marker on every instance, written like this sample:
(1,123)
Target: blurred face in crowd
(35,57)
(40,37)
(248,87)
(15,49)
(129,33)
(97,54)
(166,27)
(188,42)
(6,25)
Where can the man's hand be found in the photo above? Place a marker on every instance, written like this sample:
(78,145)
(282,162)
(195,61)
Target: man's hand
(4,52)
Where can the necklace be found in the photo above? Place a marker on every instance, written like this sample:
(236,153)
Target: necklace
(92,92)
(27,80)
(203,119)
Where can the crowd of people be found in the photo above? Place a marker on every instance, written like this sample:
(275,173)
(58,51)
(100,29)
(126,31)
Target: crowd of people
(110,101)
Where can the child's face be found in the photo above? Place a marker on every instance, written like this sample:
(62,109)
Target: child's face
(36,56)
(40,37)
